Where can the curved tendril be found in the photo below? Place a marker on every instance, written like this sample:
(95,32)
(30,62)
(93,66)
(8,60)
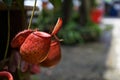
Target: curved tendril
(6,74)
(8,37)
(32,14)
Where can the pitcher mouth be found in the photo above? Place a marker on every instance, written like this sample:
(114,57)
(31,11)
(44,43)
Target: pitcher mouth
(41,34)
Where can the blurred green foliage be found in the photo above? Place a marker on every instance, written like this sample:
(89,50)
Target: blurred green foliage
(91,32)
(8,2)
(72,32)
(45,21)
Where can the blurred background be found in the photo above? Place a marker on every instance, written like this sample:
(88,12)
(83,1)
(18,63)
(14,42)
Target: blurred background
(90,33)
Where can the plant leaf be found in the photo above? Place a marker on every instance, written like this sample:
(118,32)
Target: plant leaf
(57,4)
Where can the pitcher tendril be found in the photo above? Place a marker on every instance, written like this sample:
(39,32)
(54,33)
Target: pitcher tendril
(8,37)
(32,14)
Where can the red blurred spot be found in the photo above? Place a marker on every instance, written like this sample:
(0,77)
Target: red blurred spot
(96,15)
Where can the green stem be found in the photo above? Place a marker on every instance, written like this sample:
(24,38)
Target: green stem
(19,74)
(32,14)
(8,37)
